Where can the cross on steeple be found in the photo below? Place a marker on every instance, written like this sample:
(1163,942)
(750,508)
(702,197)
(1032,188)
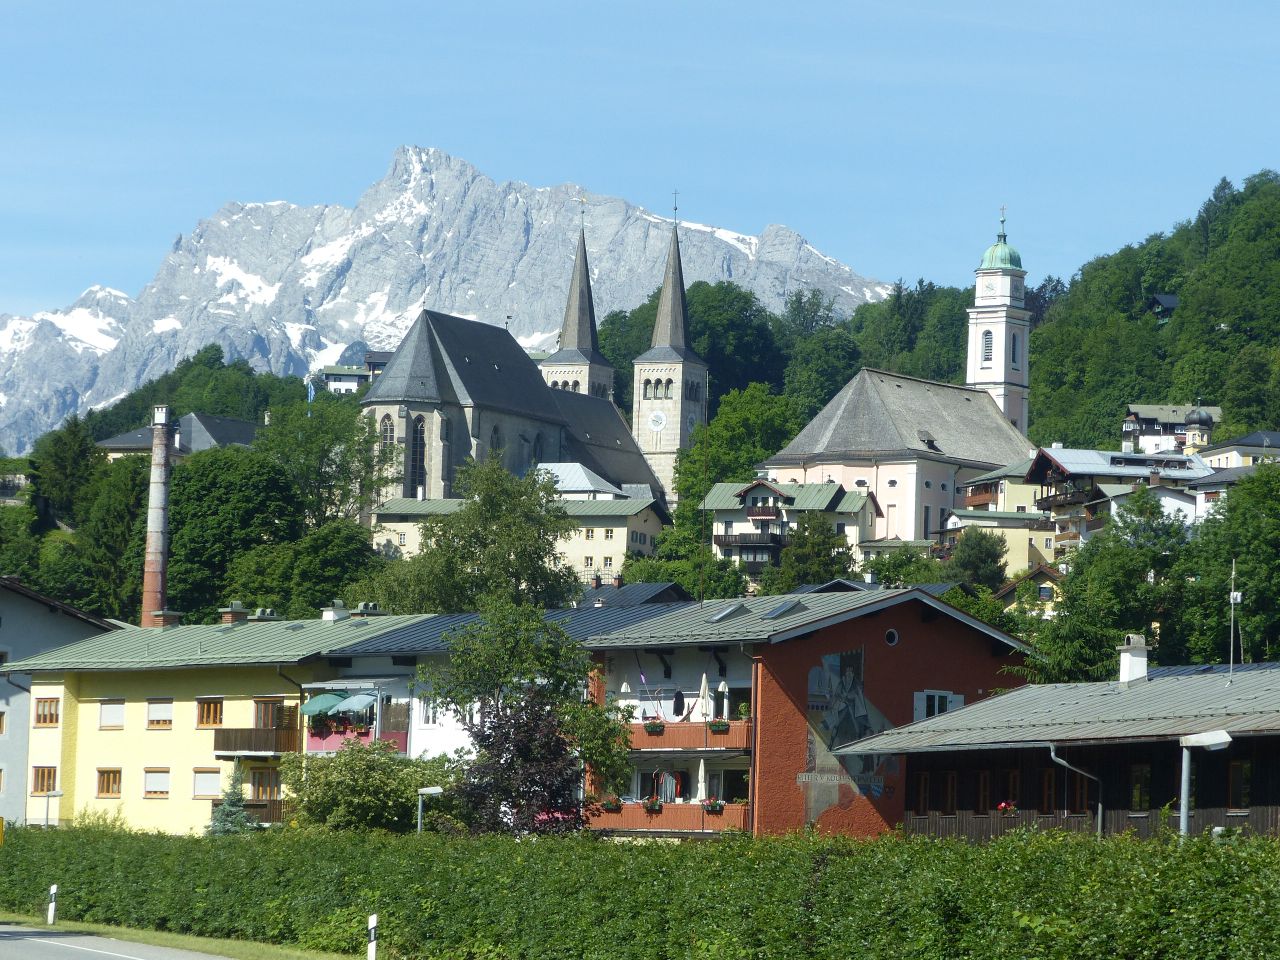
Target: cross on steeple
(1002,234)
(582,212)
(675,205)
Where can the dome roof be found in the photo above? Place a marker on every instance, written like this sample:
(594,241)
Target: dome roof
(1001,256)
(1199,417)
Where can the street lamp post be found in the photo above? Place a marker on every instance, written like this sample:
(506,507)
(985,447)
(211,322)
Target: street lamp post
(423,793)
(47,797)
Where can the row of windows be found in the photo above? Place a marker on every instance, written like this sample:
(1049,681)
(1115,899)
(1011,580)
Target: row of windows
(589,563)
(206,782)
(589,533)
(638,537)
(268,713)
(663,389)
(988,347)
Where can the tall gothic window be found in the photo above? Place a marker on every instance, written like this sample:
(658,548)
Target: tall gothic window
(575,386)
(416,467)
(668,392)
(446,457)
(1013,349)
(537,448)
(648,389)
(495,440)
(987,346)
(387,434)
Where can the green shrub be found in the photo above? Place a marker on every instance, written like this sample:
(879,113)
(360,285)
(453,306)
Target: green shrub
(1028,895)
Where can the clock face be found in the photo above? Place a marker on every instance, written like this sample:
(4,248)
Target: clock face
(988,286)
(657,420)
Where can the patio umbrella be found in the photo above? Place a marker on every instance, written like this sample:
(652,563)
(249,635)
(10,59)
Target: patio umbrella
(354,703)
(704,699)
(321,702)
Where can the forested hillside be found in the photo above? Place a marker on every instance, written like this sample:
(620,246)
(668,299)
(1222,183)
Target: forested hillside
(1101,345)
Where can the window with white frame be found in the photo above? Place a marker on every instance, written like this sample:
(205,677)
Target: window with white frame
(430,712)
(589,563)
(608,563)
(111,715)
(155,782)
(206,782)
(930,703)
(159,714)
(608,533)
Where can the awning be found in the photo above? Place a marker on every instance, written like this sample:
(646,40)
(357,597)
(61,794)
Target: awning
(353,703)
(321,702)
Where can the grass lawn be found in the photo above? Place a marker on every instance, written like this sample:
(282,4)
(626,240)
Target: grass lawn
(236,949)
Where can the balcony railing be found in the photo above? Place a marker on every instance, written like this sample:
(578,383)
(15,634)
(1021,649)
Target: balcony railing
(265,811)
(674,817)
(256,740)
(980,498)
(1066,498)
(753,539)
(692,735)
(334,739)
(763,512)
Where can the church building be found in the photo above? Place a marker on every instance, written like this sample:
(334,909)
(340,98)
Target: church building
(913,443)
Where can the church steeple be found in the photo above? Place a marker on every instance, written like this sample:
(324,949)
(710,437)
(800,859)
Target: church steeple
(577,363)
(669,391)
(999,328)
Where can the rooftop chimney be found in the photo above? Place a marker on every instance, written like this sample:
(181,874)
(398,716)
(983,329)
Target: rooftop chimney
(155,566)
(265,613)
(337,612)
(617,580)
(367,609)
(1154,479)
(595,581)
(162,618)
(235,612)
(1133,659)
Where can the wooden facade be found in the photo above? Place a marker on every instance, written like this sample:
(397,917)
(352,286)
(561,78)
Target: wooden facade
(959,793)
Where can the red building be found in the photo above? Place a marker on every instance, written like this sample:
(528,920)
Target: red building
(739,705)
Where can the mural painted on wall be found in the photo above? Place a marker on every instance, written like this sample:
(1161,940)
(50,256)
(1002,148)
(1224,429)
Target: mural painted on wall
(839,712)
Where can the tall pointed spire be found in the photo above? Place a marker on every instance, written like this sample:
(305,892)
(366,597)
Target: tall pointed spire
(579,330)
(673,314)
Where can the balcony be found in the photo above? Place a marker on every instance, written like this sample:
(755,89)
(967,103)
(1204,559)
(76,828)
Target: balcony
(753,539)
(979,498)
(255,741)
(673,818)
(1066,498)
(335,739)
(265,811)
(692,735)
(763,512)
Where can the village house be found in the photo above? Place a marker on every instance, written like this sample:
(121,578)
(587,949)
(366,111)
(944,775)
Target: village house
(1251,449)
(192,433)
(1157,428)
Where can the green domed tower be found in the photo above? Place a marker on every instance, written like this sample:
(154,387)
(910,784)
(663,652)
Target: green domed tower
(999,325)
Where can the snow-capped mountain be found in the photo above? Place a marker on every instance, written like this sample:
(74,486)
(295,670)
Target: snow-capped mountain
(295,288)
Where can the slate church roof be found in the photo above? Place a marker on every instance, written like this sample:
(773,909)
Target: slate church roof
(668,343)
(578,342)
(601,441)
(881,413)
(447,359)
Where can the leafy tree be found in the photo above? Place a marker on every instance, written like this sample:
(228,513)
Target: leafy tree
(331,454)
(917,330)
(515,682)
(223,503)
(65,462)
(821,363)
(682,557)
(806,313)
(905,568)
(503,542)
(978,559)
(816,554)
(230,816)
(19,545)
(369,787)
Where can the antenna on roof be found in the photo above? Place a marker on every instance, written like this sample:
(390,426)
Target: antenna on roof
(675,206)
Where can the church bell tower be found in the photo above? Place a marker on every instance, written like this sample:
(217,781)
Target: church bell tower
(999,326)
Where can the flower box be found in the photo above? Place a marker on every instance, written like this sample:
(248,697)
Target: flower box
(612,805)
(654,727)
(713,805)
(652,805)
(718,726)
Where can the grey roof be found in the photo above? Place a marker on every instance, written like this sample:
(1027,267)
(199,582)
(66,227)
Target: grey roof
(668,343)
(195,432)
(427,635)
(1108,463)
(631,594)
(450,359)
(825,497)
(1163,708)
(249,642)
(574,477)
(600,440)
(773,619)
(839,585)
(1224,477)
(881,413)
(1265,439)
(578,343)
(1198,669)
(1014,472)
(1032,515)
(16,586)
(1165,301)
(1170,414)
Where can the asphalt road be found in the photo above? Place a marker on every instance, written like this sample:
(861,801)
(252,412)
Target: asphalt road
(24,943)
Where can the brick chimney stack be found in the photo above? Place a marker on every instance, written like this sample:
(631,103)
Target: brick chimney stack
(156,566)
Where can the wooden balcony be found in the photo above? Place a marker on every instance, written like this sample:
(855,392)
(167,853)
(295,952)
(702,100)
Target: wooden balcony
(265,811)
(763,512)
(1066,498)
(751,539)
(692,735)
(979,498)
(673,818)
(255,741)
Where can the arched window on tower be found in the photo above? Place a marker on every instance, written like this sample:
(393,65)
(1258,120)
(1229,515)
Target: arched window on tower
(667,395)
(648,389)
(1013,349)
(555,384)
(575,386)
(416,467)
(987,346)
(387,434)
(446,457)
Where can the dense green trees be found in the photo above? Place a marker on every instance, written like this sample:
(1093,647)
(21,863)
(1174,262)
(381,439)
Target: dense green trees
(978,559)
(816,554)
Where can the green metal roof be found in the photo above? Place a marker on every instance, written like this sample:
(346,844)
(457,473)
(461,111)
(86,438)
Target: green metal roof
(898,544)
(770,619)
(827,497)
(999,515)
(346,371)
(1001,256)
(1013,471)
(210,645)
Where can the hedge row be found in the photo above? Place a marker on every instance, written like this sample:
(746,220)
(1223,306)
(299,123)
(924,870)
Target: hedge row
(1027,895)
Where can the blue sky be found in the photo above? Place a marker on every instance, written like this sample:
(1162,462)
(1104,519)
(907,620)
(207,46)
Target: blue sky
(887,133)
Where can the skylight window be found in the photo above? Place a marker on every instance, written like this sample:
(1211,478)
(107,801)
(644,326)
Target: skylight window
(732,610)
(781,610)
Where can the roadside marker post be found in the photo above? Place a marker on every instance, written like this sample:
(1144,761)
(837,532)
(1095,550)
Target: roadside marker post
(373,936)
(53,903)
